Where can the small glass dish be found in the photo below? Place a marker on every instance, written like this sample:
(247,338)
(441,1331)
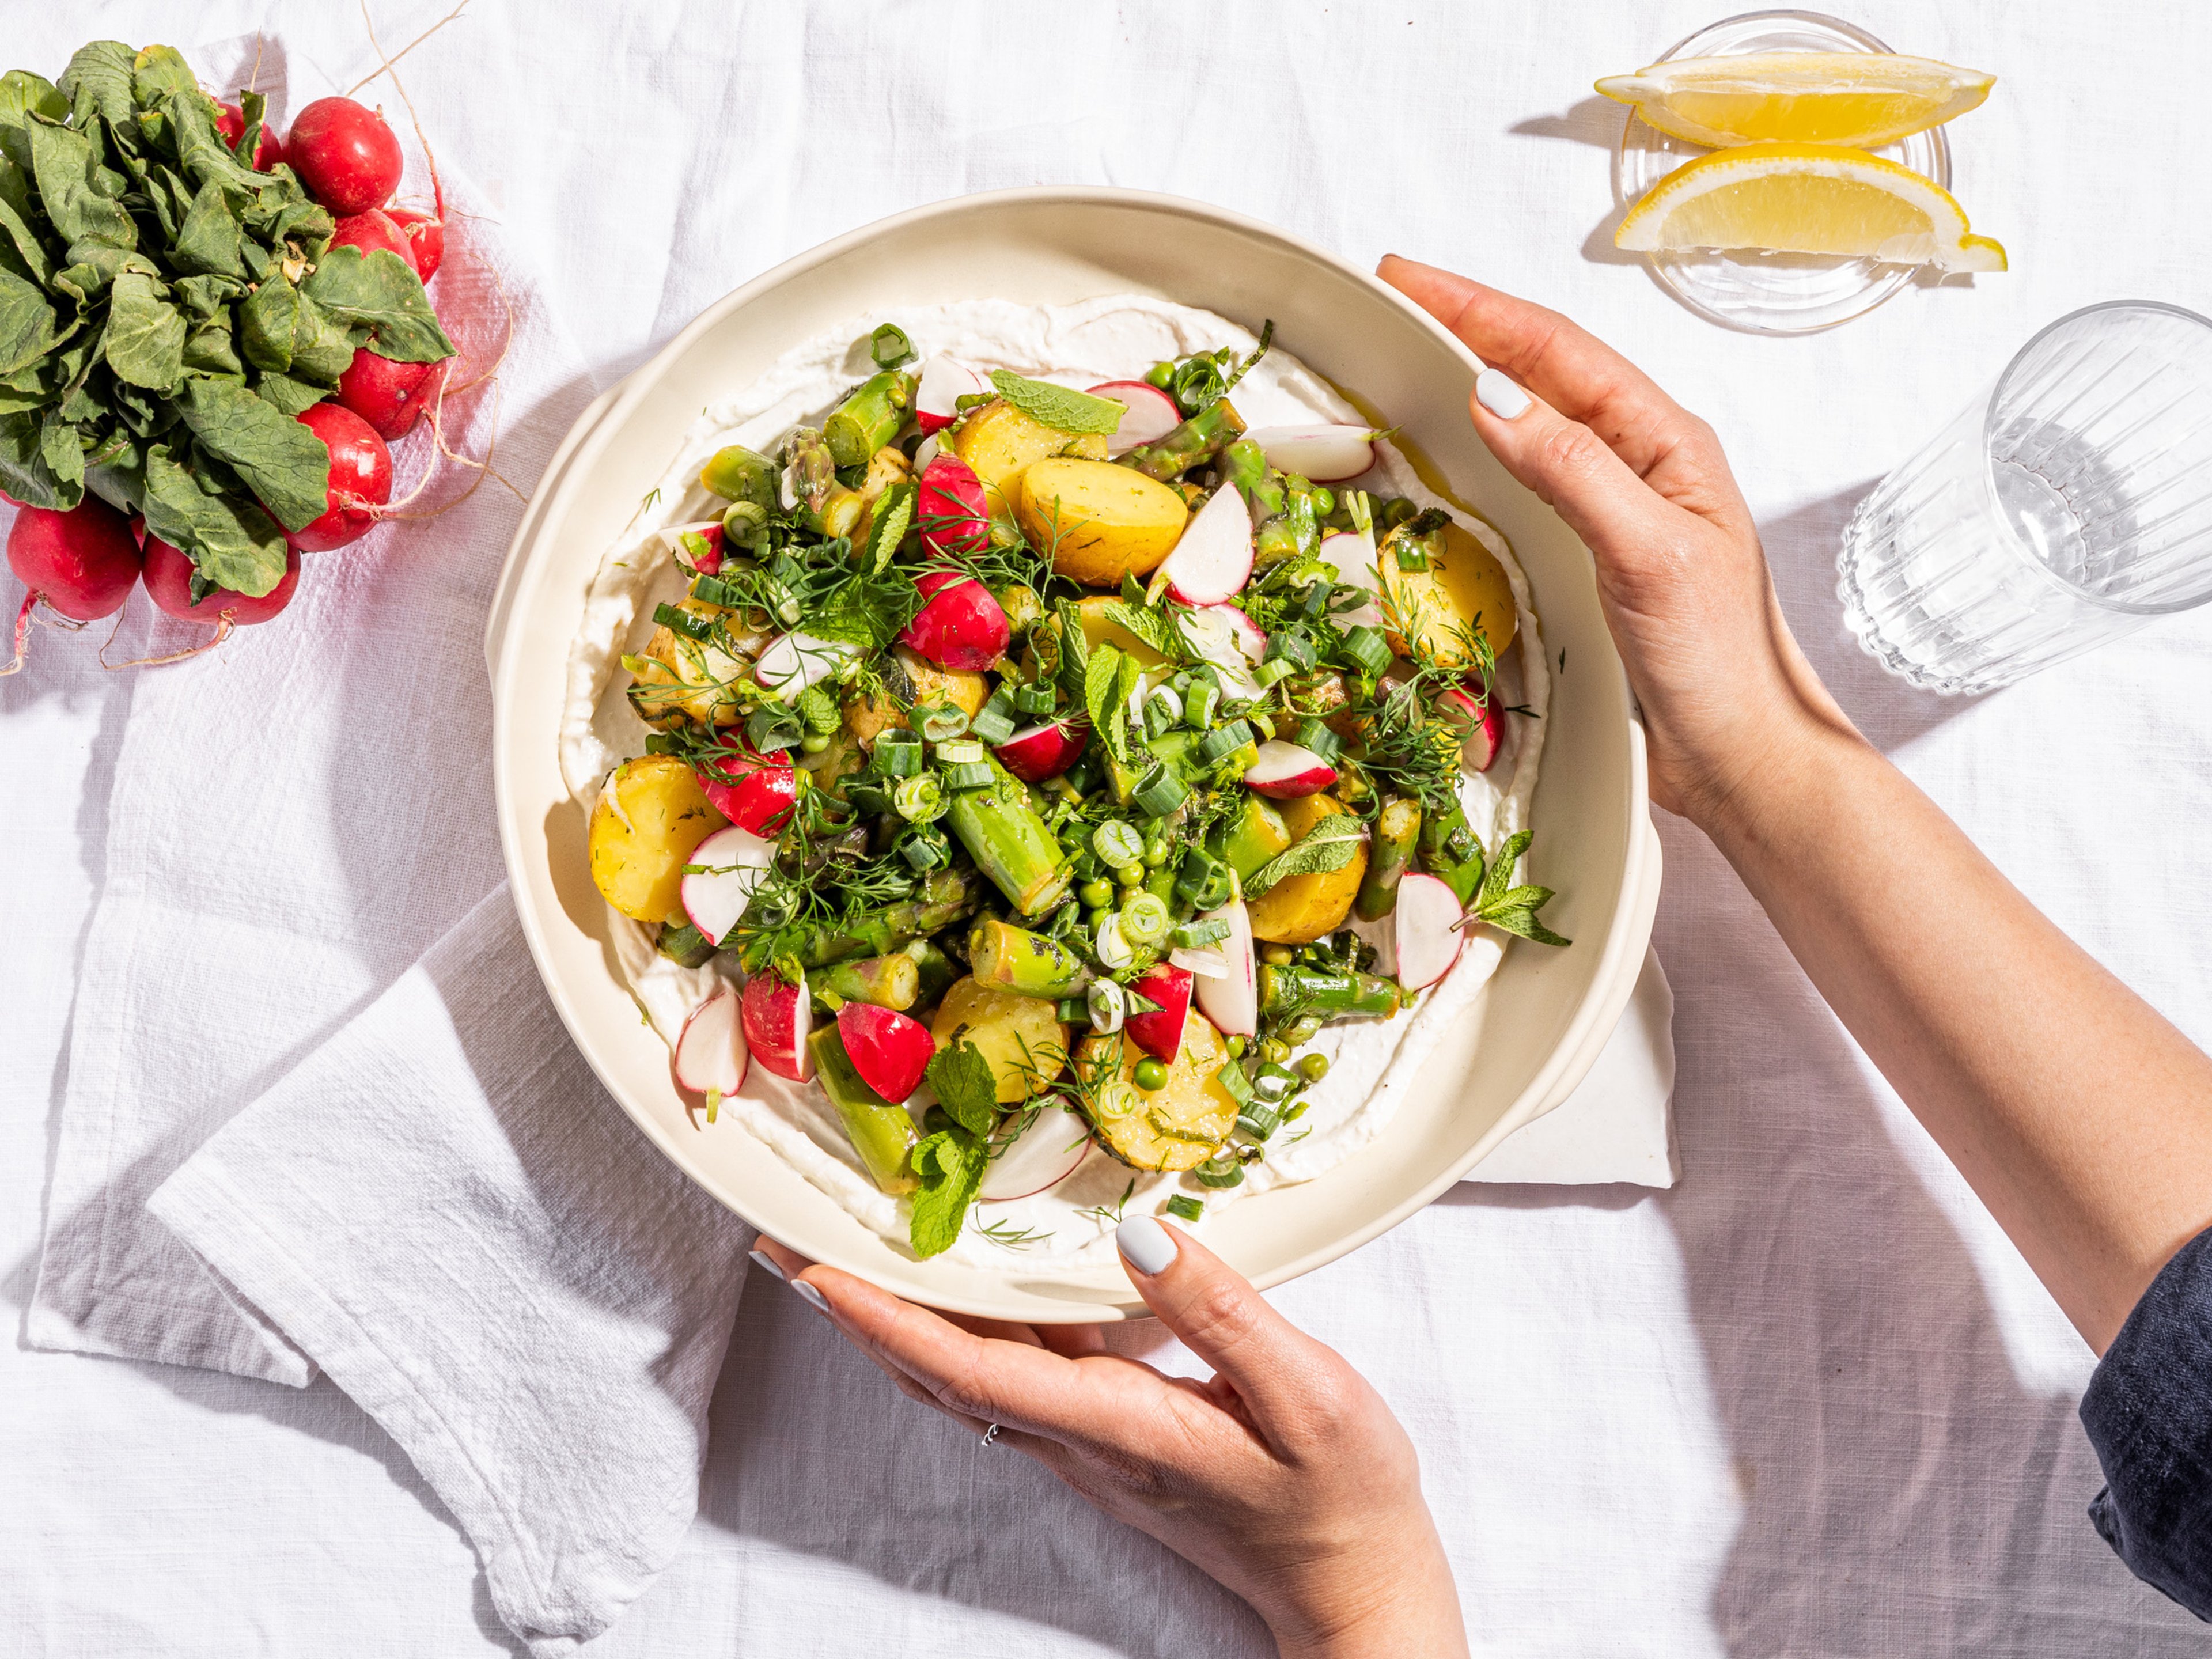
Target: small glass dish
(1769,293)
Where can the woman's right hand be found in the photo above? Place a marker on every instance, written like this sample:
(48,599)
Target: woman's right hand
(1725,689)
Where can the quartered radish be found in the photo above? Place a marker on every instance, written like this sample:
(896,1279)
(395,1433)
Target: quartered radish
(708,530)
(1326,454)
(760,799)
(796,661)
(1212,558)
(944,381)
(710,1054)
(1429,936)
(890,1051)
(1150,416)
(1221,634)
(778,1017)
(1159,1034)
(1231,1001)
(1288,770)
(1205,963)
(961,626)
(731,863)
(950,509)
(1043,1156)
(1037,753)
(1483,724)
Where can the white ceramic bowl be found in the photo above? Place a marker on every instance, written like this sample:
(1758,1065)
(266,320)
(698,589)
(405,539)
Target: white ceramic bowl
(1542,1019)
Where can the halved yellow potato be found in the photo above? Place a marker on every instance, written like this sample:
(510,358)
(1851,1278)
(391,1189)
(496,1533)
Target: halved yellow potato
(1299,909)
(1100,521)
(909,678)
(650,815)
(1001,443)
(1177,1125)
(1021,1036)
(1464,586)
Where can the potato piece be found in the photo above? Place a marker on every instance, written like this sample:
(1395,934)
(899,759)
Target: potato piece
(650,815)
(1299,909)
(1177,1125)
(1464,586)
(909,679)
(698,676)
(1026,1045)
(1100,521)
(1002,443)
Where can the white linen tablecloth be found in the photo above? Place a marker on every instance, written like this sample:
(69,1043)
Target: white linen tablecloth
(1808,1402)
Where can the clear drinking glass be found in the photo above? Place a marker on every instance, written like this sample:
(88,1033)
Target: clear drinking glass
(2068,504)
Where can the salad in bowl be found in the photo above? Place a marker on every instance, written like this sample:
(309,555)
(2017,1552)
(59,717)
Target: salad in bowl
(1046,763)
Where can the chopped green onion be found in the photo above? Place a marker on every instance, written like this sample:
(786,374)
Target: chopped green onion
(691,626)
(995,724)
(1117,844)
(959,753)
(1160,793)
(1291,645)
(662,743)
(1313,734)
(1275,668)
(1274,1083)
(1183,1207)
(919,798)
(938,721)
(898,754)
(1197,935)
(1203,879)
(713,590)
(1234,1083)
(1039,699)
(1224,741)
(926,848)
(890,346)
(1220,1170)
(1366,647)
(1198,704)
(1144,919)
(969,774)
(1106,1003)
(1074,1011)
(1258,1121)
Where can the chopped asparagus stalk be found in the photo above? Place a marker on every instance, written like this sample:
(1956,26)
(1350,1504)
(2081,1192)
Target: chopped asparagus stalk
(1396,830)
(946,896)
(870,418)
(882,1133)
(892,981)
(1317,990)
(1009,843)
(1197,440)
(1010,958)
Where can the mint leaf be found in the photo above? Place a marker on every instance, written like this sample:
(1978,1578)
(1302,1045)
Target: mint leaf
(234,543)
(1099,676)
(284,464)
(1074,649)
(950,1165)
(1057,406)
(1329,845)
(1512,909)
(894,514)
(1149,624)
(965,1085)
(379,292)
(145,342)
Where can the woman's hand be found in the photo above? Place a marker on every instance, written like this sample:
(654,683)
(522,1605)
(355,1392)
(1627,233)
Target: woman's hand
(1284,1477)
(1725,689)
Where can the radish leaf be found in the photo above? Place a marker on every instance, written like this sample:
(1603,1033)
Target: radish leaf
(27,324)
(207,242)
(145,342)
(24,473)
(234,543)
(379,292)
(284,464)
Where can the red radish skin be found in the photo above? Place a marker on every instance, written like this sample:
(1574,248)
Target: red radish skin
(83,563)
(1481,722)
(961,626)
(1043,1155)
(731,863)
(1285,771)
(1150,415)
(345,154)
(1041,752)
(708,530)
(169,585)
(361,478)
(890,1051)
(1160,1034)
(230,122)
(372,231)
(391,397)
(762,797)
(951,510)
(711,1054)
(944,380)
(777,1017)
(1429,936)
(1326,454)
(1232,1000)
(426,236)
(1212,559)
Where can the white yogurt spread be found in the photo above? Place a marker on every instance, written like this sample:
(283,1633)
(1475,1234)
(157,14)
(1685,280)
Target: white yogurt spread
(1372,1063)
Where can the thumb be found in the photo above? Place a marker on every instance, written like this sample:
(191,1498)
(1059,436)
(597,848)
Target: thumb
(1219,1316)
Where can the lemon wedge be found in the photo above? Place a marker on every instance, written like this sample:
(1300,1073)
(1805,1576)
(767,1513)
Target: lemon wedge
(1863,99)
(1806,198)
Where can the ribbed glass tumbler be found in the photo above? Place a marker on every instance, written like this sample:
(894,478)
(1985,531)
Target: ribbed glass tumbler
(2068,504)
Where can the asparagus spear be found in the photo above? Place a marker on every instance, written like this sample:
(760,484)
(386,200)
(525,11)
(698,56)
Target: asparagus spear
(892,981)
(738,474)
(1396,830)
(946,896)
(835,509)
(1009,843)
(1450,853)
(1319,990)
(1199,439)
(1010,958)
(882,1134)
(938,970)
(870,418)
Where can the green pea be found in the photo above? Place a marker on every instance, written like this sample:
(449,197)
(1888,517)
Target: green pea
(813,743)
(1277,956)
(1314,1067)
(1236,1047)
(1097,894)
(1159,375)
(1131,875)
(1324,501)
(1150,1075)
(1096,919)
(1297,485)
(1156,852)
(1278,1052)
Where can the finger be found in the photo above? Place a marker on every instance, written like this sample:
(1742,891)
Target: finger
(1219,1316)
(1074,1341)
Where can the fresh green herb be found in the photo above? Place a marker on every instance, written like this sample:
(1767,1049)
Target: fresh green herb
(1113,1217)
(964,1086)
(1183,1207)
(894,516)
(1154,627)
(1508,908)
(1058,406)
(1014,1238)
(950,1165)
(1329,845)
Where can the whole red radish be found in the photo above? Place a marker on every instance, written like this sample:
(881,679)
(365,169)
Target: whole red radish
(391,397)
(361,478)
(951,510)
(372,230)
(961,626)
(760,800)
(345,154)
(890,1051)
(83,562)
(1160,1034)
(777,1017)
(230,122)
(426,233)
(169,585)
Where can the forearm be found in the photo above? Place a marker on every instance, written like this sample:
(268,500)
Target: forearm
(1403,1603)
(2081,1118)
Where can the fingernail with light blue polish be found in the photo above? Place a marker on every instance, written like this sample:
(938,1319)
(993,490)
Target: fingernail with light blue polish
(765,1263)
(1147,1244)
(813,1297)
(1497,393)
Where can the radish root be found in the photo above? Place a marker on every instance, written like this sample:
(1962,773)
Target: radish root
(223,629)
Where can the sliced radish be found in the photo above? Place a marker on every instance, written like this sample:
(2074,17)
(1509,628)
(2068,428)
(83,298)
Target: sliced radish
(961,626)
(1326,454)
(950,507)
(709,530)
(1428,931)
(925,451)
(944,381)
(733,862)
(796,661)
(1232,1000)
(1216,634)
(1206,965)
(1482,722)
(762,797)
(1039,752)
(890,1051)
(1247,636)
(1212,559)
(710,1054)
(1043,1155)
(1288,770)
(1159,1034)
(1353,553)
(778,1017)
(1151,413)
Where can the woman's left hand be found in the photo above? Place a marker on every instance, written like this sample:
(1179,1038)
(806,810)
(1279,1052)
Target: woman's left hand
(1284,1477)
